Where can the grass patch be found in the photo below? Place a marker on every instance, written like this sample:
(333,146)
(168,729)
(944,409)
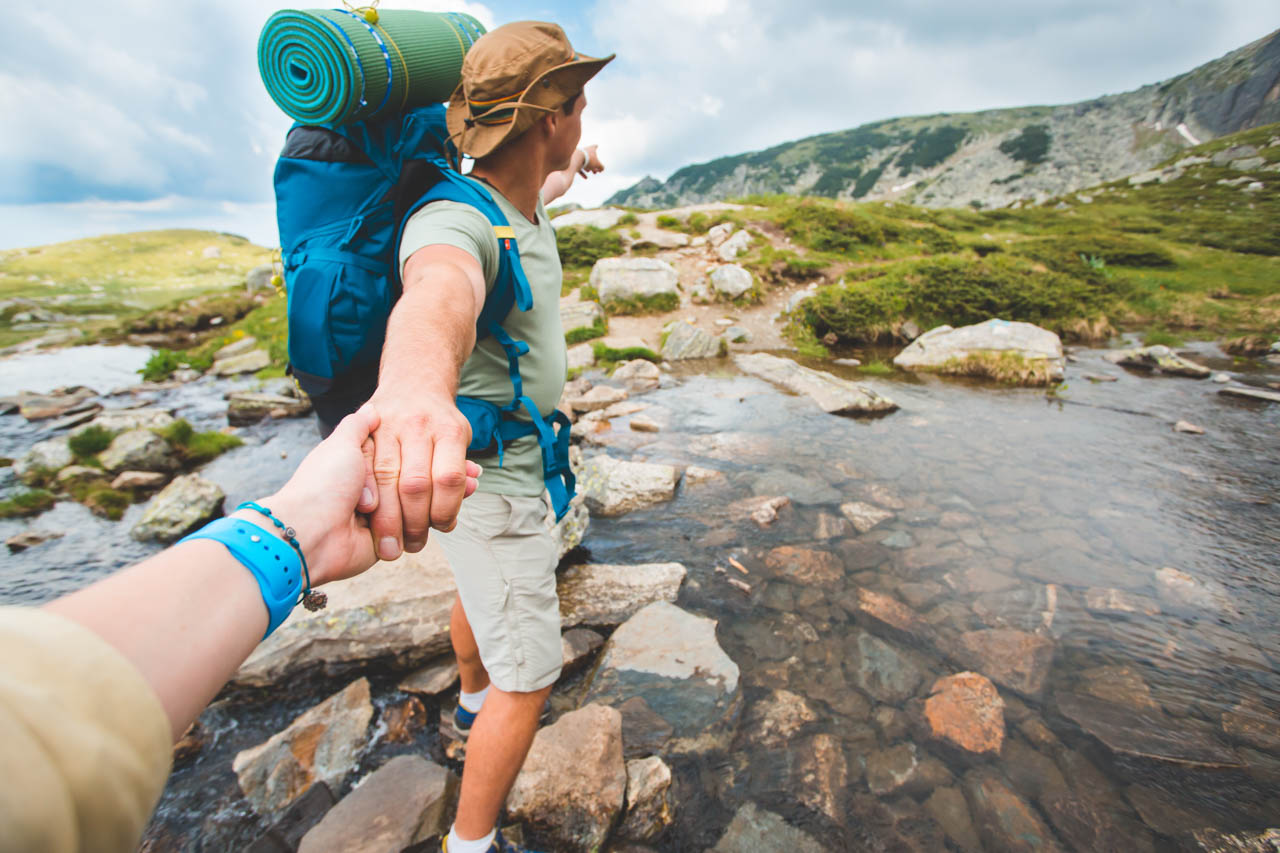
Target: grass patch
(583,245)
(196,448)
(1161,337)
(598,329)
(626,219)
(89,442)
(606,353)
(669,222)
(805,341)
(876,368)
(107,502)
(659,303)
(28,503)
(1009,368)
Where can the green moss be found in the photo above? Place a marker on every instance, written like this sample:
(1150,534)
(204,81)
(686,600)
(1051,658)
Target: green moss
(659,303)
(608,354)
(163,362)
(828,227)
(89,442)
(805,341)
(1009,368)
(598,329)
(583,245)
(196,448)
(1161,337)
(107,502)
(27,503)
(876,368)
(667,221)
(626,219)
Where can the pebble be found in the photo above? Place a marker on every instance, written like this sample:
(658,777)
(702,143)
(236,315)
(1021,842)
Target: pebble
(1222,378)
(1100,377)
(1188,427)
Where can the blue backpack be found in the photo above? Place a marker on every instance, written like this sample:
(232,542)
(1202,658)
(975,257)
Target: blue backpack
(343,195)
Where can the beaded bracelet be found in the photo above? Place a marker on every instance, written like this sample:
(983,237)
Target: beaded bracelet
(311,599)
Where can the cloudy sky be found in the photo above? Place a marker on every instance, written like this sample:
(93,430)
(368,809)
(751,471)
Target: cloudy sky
(147,114)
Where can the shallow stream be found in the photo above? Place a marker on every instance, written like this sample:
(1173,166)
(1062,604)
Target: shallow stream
(1007,508)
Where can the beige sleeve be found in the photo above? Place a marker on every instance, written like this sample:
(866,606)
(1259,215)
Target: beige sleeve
(85,746)
(452,223)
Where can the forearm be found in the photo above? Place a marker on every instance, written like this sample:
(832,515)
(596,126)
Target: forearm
(429,336)
(558,183)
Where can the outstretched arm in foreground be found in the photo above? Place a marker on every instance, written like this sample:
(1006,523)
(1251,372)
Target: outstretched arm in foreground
(583,161)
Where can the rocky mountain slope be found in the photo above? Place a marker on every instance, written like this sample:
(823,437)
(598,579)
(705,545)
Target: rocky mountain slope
(997,158)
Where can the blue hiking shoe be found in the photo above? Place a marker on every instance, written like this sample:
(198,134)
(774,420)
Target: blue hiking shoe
(499,845)
(463,720)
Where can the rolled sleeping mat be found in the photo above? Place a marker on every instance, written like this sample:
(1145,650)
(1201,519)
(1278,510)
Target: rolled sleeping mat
(334,66)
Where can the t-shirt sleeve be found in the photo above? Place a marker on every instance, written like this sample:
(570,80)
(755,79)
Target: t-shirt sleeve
(451,223)
(86,744)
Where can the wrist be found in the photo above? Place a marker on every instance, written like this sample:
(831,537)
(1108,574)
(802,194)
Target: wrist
(306,531)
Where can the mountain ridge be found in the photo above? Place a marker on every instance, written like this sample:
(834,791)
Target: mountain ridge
(996,158)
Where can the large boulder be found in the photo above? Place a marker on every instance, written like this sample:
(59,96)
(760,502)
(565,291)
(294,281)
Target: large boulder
(737,243)
(572,785)
(138,450)
(249,407)
(1158,358)
(966,712)
(671,660)
(971,349)
(179,508)
(616,487)
(832,394)
(575,315)
(396,612)
(754,830)
(321,745)
(731,280)
(403,802)
(120,420)
(684,340)
(568,532)
(598,594)
(53,454)
(603,217)
(626,279)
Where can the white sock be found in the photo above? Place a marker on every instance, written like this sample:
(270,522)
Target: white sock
(472,701)
(460,845)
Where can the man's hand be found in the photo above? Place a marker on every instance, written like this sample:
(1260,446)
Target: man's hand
(593,164)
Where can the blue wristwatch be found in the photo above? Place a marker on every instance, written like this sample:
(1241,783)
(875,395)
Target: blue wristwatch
(273,562)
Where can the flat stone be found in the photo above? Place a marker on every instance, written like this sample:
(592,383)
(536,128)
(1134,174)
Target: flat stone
(79,474)
(648,800)
(615,487)
(396,611)
(1188,427)
(599,397)
(180,507)
(431,680)
(942,346)
(671,659)
(736,244)
(920,595)
(805,565)
(575,315)
(1004,820)
(38,407)
(403,802)
(250,362)
(1149,736)
(74,419)
(883,671)
(120,420)
(1014,659)
(573,782)
(1181,590)
(833,395)
(321,745)
(977,580)
(864,516)
(1252,723)
(1118,685)
(607,595)
(1118,602)
(640,423)
(966,711)
(754,830)
(30,539)
(696,475)
(624,279)
(776,719)
(577,645)
(139,480)
(1159,358)
(947,806)
(249,407)
(138,450)
(1251,394)
(685,341)
(882,614)
(235,348)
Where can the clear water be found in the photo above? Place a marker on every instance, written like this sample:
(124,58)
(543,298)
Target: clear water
(1092,490)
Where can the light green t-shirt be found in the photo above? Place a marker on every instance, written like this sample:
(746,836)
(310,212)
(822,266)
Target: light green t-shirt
(485,373)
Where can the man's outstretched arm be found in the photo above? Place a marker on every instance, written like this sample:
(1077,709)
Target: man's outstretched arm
(421,443)
(584,160)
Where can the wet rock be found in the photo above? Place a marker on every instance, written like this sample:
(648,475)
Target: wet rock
(830,527)
(1119,685)
(1159,358)
(731,280)
(627,279)
(776,719)
(861,556)
(1089,823)
(943,346)
(568,532)
(37,407)
(575,315)
(249,407)
(599,594)
(50,455)
(819,775)
(1252,723)
(881,495)
(763,509)
(885,673)
(902,769)
(1013,659)
(120,420)
(890,723)
(431,680)
(754,830)
(396,611)
(1032,773)
(1214,841)
(83,415)
(1118,602)
(1147,736)
(1164,814)
(644,732)
(30,539)
(638,375)
(249,362)
(235,348)
(402,722)
(1038,734)
(684,341)
(736,244)
(1252,393)
(803,491)
(191,744)
(1004,820)
(1188,427)
(864,516)
(572,784)
(1025,608)
(599,397)
(180,507)
(966,711)
(1180,590)
(885,615)
(321,745)
(142,480)
(648,800)
(403,802)
(615,487)
(577,645)
(671,659)
(138,450)
(695,475)
(833,395)
(640,423)
(977,580)
(949,809)
(805,565)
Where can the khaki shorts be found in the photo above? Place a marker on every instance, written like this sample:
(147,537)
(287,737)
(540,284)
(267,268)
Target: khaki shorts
(504,561)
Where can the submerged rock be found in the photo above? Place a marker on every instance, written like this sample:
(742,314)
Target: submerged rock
(966,711)
(1015,659)
(775,719)
(864,516)
(833,395)
(30,539)
(947,806)
(572,784)
(1004,820)
(615,486)
(599,594)
(883,671)
(403,802)
(321,745)
(754,830)
(180,507)
(994,348)
(1150,736)
(671,660)
(805,566)
(1159,358)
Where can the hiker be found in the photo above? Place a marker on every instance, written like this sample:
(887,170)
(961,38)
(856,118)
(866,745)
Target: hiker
(518,113)
(96,686)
